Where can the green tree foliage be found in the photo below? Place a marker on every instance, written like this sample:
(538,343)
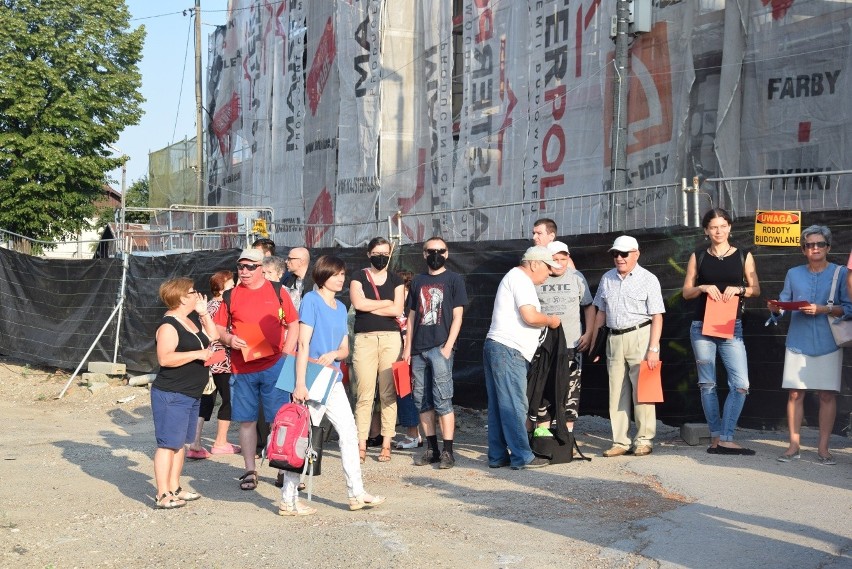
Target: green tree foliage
(137,196)
(69,84)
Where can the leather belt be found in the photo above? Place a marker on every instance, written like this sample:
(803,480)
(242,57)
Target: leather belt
(631,329)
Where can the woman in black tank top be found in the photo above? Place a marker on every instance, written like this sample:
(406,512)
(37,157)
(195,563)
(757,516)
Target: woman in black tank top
(183,346)
(721,273)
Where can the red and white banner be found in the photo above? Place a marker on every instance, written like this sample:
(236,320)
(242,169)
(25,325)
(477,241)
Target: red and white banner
(288,123)
(494,122)
(359,44)
(322,91)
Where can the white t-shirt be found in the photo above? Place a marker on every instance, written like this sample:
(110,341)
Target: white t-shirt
(507,327)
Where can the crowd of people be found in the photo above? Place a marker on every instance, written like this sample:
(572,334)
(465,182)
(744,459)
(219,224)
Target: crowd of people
(545,318)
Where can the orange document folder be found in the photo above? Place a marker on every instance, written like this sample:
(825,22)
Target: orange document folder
(402,378)
(720,318)
(650,388)
(256,345)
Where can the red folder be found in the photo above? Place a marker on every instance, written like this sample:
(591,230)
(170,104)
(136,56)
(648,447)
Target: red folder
(793,305)
(402,377)
(215,358)
(256,345)
(650,389)
(720,318)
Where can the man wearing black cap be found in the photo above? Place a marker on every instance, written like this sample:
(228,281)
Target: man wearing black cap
(629,300)
(511,342)
(256,308)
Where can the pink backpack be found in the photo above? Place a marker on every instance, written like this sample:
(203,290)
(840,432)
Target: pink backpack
(289,437)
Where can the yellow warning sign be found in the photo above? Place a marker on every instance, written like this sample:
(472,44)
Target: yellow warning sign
(777,228)
(260,228)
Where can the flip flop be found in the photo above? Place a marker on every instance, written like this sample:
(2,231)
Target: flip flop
(197,454)
(227,449)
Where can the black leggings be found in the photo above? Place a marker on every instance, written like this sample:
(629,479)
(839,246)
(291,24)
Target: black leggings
(223,388)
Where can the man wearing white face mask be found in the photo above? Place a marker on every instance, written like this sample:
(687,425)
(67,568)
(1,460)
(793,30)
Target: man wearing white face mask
(566,294)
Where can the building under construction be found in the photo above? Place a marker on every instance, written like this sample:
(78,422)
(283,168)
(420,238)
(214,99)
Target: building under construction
(470,119)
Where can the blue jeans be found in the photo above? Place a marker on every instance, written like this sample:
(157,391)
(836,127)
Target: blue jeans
(506,384)
(733,354)
(432,386)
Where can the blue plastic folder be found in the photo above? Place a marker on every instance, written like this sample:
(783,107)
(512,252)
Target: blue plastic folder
(319,378)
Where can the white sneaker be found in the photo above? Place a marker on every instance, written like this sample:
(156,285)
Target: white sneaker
(295,509)
(409,442)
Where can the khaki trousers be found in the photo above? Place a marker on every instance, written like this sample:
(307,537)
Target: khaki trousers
(372,357)
(624,354)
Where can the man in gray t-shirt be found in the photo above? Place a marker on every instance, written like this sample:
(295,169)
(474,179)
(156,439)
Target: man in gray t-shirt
(566,294)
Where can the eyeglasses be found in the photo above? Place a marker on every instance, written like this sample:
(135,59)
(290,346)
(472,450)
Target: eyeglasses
(817,245)
(380,254)
(291,259)
(436,251)
(622,254)
(247,267)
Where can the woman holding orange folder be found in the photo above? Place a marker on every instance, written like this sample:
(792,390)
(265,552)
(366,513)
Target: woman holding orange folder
(721,273)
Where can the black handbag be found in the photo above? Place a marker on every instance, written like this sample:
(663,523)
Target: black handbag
(557,451)
(599,349)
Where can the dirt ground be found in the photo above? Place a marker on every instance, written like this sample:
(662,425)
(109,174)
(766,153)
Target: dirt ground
(77,491)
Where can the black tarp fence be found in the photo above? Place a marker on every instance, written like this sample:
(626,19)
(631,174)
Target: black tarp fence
(52,310)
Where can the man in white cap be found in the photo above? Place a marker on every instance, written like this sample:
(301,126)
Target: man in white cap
(255,304)
(629,300)
(511,342)
(566,294)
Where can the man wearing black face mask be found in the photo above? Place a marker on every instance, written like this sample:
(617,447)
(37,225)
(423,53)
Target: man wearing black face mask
(435,310)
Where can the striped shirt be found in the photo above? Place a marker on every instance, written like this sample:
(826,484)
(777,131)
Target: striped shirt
(630,300)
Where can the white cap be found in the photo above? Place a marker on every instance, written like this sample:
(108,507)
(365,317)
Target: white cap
(255,255)
(540,254)
(625,244)
(558,247)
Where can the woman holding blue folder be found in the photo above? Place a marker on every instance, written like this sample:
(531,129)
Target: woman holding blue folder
(324,337)
(725,274)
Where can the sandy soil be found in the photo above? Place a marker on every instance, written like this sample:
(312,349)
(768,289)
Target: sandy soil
(77,492)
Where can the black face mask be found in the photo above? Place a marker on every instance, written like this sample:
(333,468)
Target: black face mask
(435,261)
(379,262)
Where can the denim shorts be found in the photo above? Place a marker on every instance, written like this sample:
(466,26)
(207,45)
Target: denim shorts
(250,390)
(175,418)
(432,376)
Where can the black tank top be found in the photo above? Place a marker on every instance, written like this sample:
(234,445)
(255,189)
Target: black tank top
(190,378)
(725,272)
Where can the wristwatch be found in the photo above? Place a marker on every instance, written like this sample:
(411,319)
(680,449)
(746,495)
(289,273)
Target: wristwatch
(655,350)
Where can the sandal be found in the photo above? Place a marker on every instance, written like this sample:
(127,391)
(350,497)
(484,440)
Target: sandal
(248,481)
(362,454)
(185,495)
(385,455)
(168,501)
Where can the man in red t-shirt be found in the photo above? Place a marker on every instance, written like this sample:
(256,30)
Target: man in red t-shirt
(253,326)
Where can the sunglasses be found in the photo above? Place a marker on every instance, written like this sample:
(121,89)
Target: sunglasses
(622,254)
(247,267)
(817,245)
(436,251)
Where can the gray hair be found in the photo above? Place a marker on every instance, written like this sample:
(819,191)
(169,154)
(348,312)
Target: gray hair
(277,263)
(821,230)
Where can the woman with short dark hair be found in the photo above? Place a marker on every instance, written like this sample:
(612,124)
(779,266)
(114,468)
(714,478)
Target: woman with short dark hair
(324,338)
(183,339)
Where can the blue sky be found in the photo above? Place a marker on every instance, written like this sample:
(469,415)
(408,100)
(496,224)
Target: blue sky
(167,61)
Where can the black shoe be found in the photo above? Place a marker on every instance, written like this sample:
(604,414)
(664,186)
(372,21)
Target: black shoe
(536,462)
(734,451)
(375,441)
(447,460)
(500,464)
(427,458)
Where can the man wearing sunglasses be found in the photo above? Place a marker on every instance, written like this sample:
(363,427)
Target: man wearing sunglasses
(296,280)
(630,301)
(259,323)
(435,308)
